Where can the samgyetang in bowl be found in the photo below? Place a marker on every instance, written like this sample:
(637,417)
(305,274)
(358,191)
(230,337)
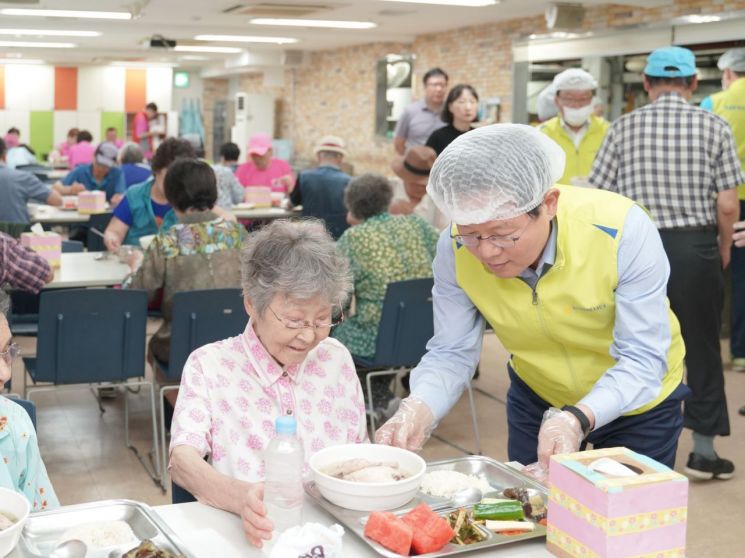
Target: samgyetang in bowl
(367,477)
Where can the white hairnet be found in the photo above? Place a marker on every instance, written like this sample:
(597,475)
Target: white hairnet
(547,103)
(733,59)
(574,78)
(495,172)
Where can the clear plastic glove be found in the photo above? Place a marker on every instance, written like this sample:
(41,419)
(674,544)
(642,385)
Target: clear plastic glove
(256,526)
(560,433)
(537,471)
(410,427)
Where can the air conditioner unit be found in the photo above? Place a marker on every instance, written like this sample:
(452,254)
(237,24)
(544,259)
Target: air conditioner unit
(294,58)
(561,15)
(254,114)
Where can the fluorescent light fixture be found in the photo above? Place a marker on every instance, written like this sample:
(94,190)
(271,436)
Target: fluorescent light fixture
(331,24)
(28,44)
(80,14)
(33,61)
(696,18)
(126,64)
(246,39)
(467,3)
(215,49)
(48,33)
(193,57)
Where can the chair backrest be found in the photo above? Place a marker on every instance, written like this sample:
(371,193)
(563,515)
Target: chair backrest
(13,229)
(406,324)
(180,495)
(28,406)
(98,221)
(70,246)
(91,335)
(201,317)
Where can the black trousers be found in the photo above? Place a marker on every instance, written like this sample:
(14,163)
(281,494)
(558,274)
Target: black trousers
(696,293)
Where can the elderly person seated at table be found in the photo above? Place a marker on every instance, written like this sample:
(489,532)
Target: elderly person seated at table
(229,190)
(102,174)
(284,363)
(21,468)
(202,251)
(83,152)
(263,169)
(131,162)
(381,249)
(19,154)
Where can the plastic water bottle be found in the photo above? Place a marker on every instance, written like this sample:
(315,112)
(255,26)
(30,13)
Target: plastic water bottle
(283,483)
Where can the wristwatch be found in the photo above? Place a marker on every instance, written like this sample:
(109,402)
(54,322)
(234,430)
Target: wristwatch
(584,422)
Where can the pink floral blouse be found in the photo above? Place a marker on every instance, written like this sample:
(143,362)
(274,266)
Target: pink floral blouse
(232,390)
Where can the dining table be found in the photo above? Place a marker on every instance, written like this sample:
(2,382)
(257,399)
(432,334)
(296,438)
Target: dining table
(51,215)
(88,269)
(207,532)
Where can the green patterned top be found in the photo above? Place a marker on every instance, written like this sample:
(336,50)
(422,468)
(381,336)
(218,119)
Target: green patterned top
(382,250)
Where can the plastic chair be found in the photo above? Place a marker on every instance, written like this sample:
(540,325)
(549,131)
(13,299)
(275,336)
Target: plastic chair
(27,405)
(98,221)
(72,246)
(180,495)
(406,325)
(94,336)
(199,317)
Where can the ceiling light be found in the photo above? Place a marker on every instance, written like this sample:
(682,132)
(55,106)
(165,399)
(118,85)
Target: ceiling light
(467,3)
(193,57)
(141,64)
(27,44)
(20,61)
(696,18)
(48,33)
(246,39)
(217,49)
(314,23)
(65,13)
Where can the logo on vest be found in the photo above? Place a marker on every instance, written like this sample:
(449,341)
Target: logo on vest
(596,308)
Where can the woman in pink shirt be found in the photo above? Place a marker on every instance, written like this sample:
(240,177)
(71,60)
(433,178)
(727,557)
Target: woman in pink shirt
(264,170)
(295,283)
(82,152)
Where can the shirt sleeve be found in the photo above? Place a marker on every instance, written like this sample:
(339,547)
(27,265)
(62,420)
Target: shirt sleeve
(296,196)
(192,416)
(455,349)
(71,177)
(237,192)
(34,188)
(34,481)
(22,268)
(728,169)
(641,334)
(707,104)
(123,212)
(604,173)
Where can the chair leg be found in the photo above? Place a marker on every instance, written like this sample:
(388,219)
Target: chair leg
(163,446)
(156,473)
(370,406)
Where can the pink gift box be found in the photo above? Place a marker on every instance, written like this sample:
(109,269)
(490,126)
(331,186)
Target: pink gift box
(596,515)
(47,244)
(260,196)
(91,202)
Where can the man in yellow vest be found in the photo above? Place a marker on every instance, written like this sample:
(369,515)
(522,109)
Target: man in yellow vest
(576,129)
(573,282)
(730,105)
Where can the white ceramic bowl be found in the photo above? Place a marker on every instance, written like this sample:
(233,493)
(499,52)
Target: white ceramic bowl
(16,506)
(363,496)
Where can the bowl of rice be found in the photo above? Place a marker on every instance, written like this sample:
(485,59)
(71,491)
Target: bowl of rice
(14,510)
(367,477)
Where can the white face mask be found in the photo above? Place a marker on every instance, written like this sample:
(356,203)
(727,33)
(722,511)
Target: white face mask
(577,116)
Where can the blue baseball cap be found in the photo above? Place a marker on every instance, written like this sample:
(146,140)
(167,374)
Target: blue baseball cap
(671,62)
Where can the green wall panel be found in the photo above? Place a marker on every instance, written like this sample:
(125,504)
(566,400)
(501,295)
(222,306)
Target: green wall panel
(115,119)
(41,133)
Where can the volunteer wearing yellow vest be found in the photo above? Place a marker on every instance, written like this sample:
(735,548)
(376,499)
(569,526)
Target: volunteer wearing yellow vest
(573,282)
(577,131)
(730,105)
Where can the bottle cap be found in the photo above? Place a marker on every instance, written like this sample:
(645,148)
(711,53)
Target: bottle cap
(285,425)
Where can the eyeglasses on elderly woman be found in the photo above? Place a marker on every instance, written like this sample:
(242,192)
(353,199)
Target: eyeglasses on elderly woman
(304,324)
(10,354)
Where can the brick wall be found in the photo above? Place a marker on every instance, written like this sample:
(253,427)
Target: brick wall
(335,93)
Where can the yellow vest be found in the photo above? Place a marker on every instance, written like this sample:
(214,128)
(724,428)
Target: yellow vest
(579,161)
(559,335)
(730,105)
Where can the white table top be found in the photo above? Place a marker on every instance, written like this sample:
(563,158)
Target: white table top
(203,529)
(48,214)
(246,211)
(82,269)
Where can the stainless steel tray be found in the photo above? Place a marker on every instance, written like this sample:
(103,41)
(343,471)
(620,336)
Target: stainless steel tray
(498,475)
(43,530)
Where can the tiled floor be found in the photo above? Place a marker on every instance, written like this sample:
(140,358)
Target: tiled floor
(86,458)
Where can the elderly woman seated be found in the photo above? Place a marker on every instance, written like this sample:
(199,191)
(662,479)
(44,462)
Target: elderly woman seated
(381,249)
(201,251)
(284,363)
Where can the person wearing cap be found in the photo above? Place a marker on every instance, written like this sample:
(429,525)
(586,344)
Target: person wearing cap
(679,161)
(576,129)
(572,280)
(17,188)
(101,174)
(321,190)
(261,169)
(410,192)
(730,105)
(459,113)
(422,117)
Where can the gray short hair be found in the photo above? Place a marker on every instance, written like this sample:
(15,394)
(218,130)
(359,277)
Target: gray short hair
(4,303)
(298,259)
(130,153)
(368,195)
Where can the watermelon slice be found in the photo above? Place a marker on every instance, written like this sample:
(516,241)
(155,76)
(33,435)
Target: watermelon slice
(390,531)
(431,532)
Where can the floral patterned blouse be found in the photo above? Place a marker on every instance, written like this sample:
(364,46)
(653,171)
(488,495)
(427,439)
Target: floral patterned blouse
(22,469)
(382,250)
(232,391)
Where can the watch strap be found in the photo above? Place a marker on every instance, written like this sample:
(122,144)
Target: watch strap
(584,422)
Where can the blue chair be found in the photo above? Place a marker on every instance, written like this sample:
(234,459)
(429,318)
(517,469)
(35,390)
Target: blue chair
(406,325)
(98,221)
(72,246)
(94,336)
(180,495)
(199,317)
(27,405)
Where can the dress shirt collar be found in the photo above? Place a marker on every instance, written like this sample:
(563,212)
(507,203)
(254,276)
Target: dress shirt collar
(265,366)
(545,262)
(671,97)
